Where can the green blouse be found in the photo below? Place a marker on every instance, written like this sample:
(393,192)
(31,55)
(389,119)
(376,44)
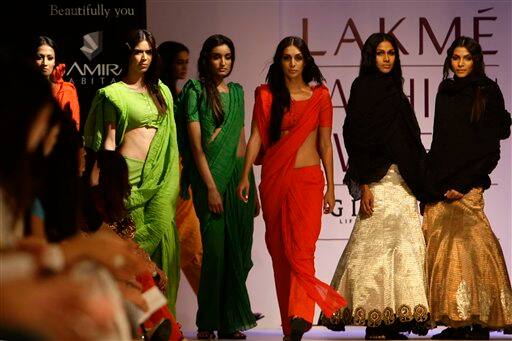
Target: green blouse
(221,152)
(207,119)
(141,111)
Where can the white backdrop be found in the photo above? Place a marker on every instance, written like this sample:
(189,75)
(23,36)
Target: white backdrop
(334,30)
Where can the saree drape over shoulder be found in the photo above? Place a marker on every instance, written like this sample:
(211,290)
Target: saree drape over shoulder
(223,299)
(155,181)
(292,208)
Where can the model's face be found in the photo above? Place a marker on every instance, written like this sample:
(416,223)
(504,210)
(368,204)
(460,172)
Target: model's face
(462,62)
(45,59)
(181,65)
(141,57)
(385,57)
(221,61)
(292,62)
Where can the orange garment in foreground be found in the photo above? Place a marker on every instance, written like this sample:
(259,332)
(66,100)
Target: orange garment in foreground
(65,94)
(191,249)
(291,201)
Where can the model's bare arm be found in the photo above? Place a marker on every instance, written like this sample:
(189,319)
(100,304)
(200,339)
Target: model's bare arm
(325,151)
(214,198)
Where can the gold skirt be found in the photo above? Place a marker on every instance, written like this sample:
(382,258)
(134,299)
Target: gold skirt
(381,271)
(467,278)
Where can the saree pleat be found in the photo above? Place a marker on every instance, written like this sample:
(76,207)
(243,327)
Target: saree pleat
(152,202)
(239,236)
(288,215)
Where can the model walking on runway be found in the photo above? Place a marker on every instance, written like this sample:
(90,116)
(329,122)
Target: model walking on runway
(291,131)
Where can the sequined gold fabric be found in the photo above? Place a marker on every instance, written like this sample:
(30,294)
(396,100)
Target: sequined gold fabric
(381,270)
(467,277)
(125,228)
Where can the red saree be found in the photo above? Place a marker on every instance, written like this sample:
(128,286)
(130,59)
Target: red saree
(291,201)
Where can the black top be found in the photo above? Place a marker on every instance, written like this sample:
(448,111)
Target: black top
(464,153)
(381,129)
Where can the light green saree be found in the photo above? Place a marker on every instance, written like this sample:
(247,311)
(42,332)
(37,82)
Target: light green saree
(152,203)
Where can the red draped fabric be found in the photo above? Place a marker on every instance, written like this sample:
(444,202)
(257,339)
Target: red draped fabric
(291,201)
(147,282)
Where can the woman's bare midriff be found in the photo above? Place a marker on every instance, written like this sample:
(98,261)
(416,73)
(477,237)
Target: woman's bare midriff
(136,142)
(307,155)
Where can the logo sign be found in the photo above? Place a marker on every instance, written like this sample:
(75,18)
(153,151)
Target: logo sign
(92,45)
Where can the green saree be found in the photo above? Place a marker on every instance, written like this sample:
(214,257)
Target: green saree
(155,181)
(227,238)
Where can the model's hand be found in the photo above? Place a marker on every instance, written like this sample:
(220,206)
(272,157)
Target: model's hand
(453,195)
(329,201)
(215,201)
(367,201)
(243,189)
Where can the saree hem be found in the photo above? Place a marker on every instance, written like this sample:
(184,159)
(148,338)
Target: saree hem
(405,318)
(444,320)
(467,275)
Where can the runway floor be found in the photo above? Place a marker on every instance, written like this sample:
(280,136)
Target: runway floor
(320,333)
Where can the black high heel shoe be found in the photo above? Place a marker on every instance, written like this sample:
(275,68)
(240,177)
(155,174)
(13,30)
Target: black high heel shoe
(298,327)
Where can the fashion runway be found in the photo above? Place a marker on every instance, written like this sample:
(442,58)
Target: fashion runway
(320,333)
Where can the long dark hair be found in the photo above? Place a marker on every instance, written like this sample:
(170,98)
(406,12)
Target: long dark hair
(478,71)
(61,191)
(368,64)
(152,74)
(21,104)
(275,79)
(45,40)
(204,70)
(168,51)
(113,187)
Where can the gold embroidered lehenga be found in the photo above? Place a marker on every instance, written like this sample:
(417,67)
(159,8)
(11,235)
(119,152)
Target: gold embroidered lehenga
(469,283)
(381,270)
